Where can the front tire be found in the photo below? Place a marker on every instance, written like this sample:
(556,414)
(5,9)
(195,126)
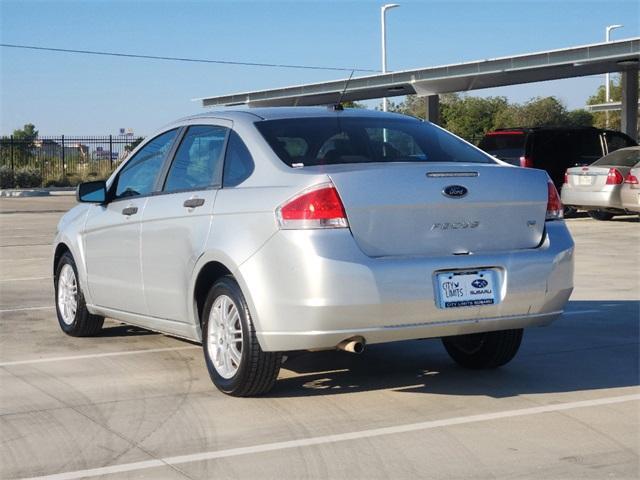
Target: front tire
(600,215)
(484,350)
(73,316)
(236,363)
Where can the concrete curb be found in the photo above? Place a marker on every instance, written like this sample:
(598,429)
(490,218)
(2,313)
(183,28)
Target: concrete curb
(37,192)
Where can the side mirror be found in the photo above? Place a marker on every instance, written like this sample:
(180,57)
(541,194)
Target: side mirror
(92,192)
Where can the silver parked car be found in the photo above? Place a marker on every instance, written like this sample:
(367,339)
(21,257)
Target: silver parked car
(262,231)
(630,192)
(597,188)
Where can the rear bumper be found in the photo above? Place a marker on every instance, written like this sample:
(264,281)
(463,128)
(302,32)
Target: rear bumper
(312,289)
(609,198)
(630,198)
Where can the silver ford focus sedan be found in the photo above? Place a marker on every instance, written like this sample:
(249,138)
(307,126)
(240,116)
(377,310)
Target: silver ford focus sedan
(262,231)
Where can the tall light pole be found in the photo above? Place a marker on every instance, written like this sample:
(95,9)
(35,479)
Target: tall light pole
(607,93)
(607,36)
(383,21)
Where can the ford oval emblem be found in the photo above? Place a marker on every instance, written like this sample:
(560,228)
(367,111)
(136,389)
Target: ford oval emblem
(455,191)
(479,283)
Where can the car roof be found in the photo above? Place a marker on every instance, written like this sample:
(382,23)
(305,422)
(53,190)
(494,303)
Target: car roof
(546,128)
(277,113)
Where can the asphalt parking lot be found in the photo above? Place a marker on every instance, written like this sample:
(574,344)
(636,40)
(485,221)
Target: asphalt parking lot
(135,404)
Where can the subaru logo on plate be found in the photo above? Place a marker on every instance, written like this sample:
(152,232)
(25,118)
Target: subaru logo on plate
(455,191)
(479,283)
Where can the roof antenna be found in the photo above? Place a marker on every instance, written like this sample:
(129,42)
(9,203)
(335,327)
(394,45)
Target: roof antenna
(338,105)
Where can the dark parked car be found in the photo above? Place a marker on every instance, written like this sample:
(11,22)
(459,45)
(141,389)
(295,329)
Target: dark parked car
(553,149)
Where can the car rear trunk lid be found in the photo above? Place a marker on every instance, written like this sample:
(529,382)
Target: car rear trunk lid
(404,209)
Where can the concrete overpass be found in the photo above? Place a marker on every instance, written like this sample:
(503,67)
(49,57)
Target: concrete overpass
(619,56)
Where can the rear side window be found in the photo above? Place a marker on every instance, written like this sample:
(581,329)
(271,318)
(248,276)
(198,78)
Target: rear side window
(617,140)
(507,146)
(560,149)
(138,176)
(197,162)
(343,139)
(587,147)
(238,162)
(620,158)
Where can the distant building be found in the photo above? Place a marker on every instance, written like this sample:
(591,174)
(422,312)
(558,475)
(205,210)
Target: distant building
(47,147)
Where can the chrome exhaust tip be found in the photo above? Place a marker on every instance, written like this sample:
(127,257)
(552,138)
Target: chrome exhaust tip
(352,345)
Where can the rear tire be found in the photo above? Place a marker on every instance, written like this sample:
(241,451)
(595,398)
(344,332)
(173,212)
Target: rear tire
(600,215)
(71,308)
(484,350)
(569,211)
(236,363)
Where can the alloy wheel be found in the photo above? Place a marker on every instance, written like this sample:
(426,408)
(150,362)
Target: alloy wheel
(224,336)
(67,294)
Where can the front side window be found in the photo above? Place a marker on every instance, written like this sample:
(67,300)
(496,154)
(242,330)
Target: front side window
(138,176)
(198,159)
(339,140)
(238,162)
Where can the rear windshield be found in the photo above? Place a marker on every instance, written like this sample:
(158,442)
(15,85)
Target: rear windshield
(332,140)
(508,147)
(620,158)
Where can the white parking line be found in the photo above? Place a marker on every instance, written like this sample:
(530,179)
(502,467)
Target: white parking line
(22,309)
(95,355)
(340,437)
(580,312)
(23,259)
(22,279)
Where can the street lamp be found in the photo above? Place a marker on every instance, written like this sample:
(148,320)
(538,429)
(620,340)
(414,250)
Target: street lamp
(383,21)
(607,95)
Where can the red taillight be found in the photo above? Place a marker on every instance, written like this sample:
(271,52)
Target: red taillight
(554,205)
(526,162)
(317,207)
(632,179)
(566,177)
(614,177)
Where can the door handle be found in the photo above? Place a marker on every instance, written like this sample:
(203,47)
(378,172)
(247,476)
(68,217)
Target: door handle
(193,202)
(128,211)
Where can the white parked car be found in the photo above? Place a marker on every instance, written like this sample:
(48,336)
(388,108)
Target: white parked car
(262,231)
(630,192)
(598,187)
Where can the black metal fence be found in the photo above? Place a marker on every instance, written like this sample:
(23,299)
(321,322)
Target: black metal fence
(62,160)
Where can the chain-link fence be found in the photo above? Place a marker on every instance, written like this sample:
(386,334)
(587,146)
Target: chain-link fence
(60,160)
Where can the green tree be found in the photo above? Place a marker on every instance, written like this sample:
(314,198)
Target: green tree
(352,104)
(26,134)
(466,116)
(537,112)
(20,147)
(130,146)
(471,117)
(600,118)
(579,118)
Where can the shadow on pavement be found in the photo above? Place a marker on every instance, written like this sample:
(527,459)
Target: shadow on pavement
(593,346)
(124,331)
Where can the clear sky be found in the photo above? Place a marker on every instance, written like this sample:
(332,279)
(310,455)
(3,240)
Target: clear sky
(78,94)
